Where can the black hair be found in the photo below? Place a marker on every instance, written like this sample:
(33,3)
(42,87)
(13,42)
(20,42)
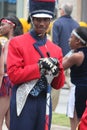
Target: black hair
(82,32)
(29,19)
(18,29)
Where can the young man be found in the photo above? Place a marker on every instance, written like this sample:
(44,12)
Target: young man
(34,63)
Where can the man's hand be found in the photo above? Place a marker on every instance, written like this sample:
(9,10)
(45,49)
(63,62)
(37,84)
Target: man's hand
(49,64)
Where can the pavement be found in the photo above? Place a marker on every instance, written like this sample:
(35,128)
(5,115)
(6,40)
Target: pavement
(61,108)
(63,99)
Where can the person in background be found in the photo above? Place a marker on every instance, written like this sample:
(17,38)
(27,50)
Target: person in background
(83,122)
(10,26)
(71,101)
(63,26)
(34,64)
(3,40)
(77,62)
(61,31)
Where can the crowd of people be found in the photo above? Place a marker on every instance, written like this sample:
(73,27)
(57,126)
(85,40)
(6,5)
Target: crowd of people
(31,65)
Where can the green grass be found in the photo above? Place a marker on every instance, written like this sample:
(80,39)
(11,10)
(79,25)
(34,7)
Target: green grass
(60,119)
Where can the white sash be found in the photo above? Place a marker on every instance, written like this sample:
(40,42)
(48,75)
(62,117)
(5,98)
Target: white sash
(22,93)
(24,89)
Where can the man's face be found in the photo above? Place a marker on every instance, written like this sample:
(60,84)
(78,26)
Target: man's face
(41,25)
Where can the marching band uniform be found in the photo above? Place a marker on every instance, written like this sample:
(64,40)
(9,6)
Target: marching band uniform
(28,102)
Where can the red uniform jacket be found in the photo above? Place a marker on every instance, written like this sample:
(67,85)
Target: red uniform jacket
(22,60)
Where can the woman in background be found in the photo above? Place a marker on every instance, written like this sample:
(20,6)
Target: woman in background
(77,62)
(9,27)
